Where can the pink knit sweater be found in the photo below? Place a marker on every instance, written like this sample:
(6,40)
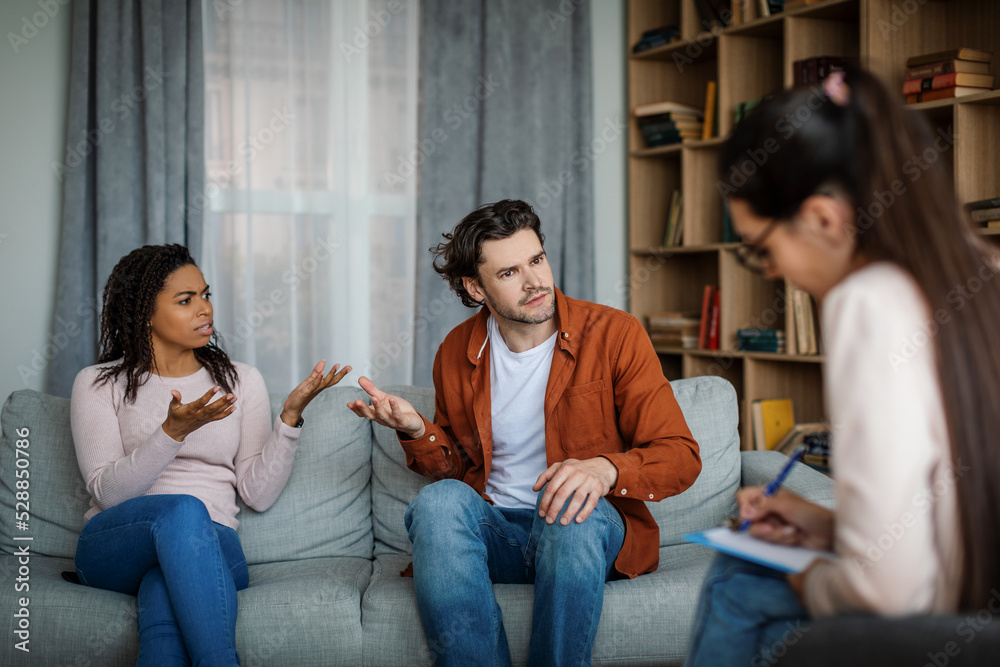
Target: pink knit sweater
(123,452)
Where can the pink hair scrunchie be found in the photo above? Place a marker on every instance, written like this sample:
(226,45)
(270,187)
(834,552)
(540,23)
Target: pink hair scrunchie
(835,88)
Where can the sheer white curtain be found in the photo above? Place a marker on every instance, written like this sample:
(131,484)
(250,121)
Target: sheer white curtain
(311,112)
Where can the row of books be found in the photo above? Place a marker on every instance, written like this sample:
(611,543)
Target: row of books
(800,321)
(664,123)
(760,340)
(814,70)
(657,37)
(946,74)
(774,428)
(985,212)
(736,12)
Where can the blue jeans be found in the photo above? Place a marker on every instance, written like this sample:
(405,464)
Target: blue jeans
(747,615)
(462,545)
(183,568)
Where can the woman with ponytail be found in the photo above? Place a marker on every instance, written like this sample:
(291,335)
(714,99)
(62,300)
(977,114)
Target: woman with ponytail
(853,204)
(167,430)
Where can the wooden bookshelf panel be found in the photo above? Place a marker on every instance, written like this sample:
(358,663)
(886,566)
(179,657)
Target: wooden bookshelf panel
(752,67)
(977,171)
(748,301)
(702,209)
(727,367)
(671,283)
(801,382)
(812,37)
(946,133)
(648,14)
(651,182)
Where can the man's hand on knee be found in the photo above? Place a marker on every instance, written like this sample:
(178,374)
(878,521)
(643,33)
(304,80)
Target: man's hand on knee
(583,483)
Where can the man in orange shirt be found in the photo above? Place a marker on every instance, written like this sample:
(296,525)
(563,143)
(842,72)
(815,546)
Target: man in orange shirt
(553,425)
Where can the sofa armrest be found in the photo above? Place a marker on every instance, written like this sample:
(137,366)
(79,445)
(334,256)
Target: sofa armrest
(759,468)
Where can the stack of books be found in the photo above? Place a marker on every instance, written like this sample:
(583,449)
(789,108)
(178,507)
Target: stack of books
(708,328)
(801,323)
(674,232)
(674,329)
(814,70)
(657,37)
(760,340)
(945,74)
(664,123)
(985,213)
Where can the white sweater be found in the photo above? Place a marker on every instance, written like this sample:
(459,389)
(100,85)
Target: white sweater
(123,452)
(897,532)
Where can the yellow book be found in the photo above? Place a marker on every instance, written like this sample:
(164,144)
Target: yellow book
(772,420)
(709,125)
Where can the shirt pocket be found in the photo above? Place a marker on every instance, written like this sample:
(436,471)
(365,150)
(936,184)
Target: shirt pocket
(584,417)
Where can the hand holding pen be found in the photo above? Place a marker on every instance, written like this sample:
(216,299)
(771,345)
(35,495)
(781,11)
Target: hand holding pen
(777,515)
(776,483)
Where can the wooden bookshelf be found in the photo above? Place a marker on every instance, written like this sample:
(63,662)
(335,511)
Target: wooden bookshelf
(748,61)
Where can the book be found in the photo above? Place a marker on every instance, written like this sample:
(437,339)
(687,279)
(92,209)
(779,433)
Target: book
(744,545)
(713,325)
(678,234)
(760,340)
(728,233)
(676,329)
(706,314)
(670,121)
(963,53)
(947,67)
(805,327)
(797,434)
(985,214)
(737,12)
(672,211)
(653,108)
(814,70)
(983,203)
(657,37)
(947,81)
(942,94)
(763,9)
(771,420)
(743,108)
(708,127)
(993,224)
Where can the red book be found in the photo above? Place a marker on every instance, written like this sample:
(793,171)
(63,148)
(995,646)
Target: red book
(713,327)
(706,316)
(948,81)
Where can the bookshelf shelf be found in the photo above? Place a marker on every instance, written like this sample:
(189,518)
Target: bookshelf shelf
(748,61)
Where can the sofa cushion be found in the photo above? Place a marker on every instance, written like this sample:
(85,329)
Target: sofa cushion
(709,406)
(393,484)
(325,509)
(75,625)
(645,620)
(711,410)
(56,494)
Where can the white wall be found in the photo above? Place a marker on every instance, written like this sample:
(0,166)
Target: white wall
(610,209)
(34,80)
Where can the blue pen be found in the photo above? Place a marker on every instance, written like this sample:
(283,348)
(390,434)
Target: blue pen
(773,487)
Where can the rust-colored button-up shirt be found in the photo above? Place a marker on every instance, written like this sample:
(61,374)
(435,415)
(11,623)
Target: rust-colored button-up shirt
(606,396)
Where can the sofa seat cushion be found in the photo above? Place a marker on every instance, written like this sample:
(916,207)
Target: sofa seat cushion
(644,620)
(298,613)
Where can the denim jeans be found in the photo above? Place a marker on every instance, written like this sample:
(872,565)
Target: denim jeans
(183,568)
(747,615)
(462,545)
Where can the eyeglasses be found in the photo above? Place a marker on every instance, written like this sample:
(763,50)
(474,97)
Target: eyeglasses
(752,255)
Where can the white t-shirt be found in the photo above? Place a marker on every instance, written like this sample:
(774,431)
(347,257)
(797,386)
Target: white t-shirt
(517,397)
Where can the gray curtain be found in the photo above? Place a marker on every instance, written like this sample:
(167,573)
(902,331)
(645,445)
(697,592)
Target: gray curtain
(505,114)
(134,168)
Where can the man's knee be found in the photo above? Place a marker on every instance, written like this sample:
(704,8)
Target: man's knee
(441,500)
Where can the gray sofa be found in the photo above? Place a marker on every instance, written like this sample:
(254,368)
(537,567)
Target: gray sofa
(325,559)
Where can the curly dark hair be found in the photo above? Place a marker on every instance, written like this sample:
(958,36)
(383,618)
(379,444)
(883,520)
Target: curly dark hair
(128,303)
(460,256)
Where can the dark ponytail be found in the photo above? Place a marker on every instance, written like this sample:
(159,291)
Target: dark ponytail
(889,162)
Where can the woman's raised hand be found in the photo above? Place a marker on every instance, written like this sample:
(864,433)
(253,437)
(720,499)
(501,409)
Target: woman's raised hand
(309,389)
(186,418)
(388,410)
(786,518)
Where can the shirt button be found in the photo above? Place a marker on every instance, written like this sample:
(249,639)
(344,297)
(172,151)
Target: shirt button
(565,335)
(623,491)
(651,496)
(433,438)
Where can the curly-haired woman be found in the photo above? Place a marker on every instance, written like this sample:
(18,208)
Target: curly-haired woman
(166,427)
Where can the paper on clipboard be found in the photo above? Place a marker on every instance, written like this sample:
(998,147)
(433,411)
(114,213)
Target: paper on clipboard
(743,545)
